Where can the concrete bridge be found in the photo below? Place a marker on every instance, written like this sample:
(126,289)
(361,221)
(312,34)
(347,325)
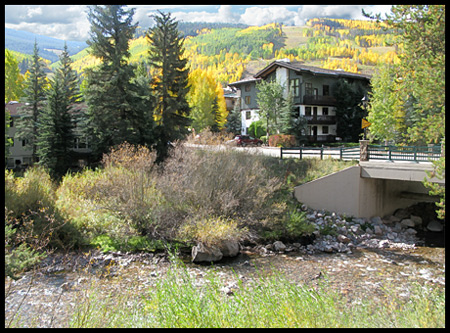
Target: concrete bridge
(369,189)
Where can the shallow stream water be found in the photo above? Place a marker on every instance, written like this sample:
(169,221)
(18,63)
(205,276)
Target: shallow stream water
(47,298)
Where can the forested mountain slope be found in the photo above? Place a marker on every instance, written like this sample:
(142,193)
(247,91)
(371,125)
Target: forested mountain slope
(231,52)
(49,48)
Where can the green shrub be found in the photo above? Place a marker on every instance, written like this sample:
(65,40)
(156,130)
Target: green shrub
(132,244)
(297,224)
(31,192)
(117,200)
(18,256)
(105,243)
(257,129)
(212,230)
(79,203)
(31,200)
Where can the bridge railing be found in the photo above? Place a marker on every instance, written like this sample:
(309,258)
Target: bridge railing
(343,153)
(404,153)
(375,152)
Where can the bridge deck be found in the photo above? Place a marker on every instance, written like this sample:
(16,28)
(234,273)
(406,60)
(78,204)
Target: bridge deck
(411,171)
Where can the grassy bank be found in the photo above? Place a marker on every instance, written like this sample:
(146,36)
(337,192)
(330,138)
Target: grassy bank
(129,204)
(177,302)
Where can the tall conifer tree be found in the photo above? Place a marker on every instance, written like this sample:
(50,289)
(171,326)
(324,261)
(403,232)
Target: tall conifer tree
(234,122)
(56,125)
(35,85)
(69,77)
(55,138)
(110,95)
(170,84)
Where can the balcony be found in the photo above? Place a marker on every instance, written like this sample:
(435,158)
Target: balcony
(321,138)
(319,100)
(321,120)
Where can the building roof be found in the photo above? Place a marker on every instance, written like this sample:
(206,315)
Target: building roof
(13,108)
(299,67)
(244,81)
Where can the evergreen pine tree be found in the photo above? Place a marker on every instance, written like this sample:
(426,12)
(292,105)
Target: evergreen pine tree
(170,84)
(35,85)
(234,121)
(143,102)
(55,138)
(56,125)
(291,122)
(110,93)
(216,115)
(348,110)
(69,78)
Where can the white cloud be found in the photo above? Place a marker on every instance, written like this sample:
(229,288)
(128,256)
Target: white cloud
(34,11)
(226,14)
(202,16)
(379,9)
(58,21)
(340,11)
(334,11)
(265,15)
(70,22)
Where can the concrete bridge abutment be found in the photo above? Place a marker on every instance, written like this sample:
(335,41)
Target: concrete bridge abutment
(368,189)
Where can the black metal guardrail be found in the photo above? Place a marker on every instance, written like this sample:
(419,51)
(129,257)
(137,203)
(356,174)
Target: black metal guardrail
(343,153)
(404,153)
(376,152)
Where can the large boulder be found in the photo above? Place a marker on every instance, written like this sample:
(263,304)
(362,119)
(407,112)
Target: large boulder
(229,248)
(279,246)
(435,226)
(204,253)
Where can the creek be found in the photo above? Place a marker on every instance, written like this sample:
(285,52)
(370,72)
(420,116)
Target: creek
(47,297)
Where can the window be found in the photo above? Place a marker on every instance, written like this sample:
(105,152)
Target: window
(325,111)
(10,163)
(247,100)
(11,123)
(27,160)
(307,111)
(248,87)
(308,89)
(295,87)
(248,115)
(326,90)
(324,129)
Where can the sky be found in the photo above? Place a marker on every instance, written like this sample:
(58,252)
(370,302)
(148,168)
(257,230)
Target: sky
(69,22)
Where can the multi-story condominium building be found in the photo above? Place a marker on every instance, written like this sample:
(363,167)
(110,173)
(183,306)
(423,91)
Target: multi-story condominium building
(312,89)
(20,154)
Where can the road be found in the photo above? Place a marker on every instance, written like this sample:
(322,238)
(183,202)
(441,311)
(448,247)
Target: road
(306,153)
(270,151)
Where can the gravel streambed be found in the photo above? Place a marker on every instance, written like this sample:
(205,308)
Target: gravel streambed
(359,258)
